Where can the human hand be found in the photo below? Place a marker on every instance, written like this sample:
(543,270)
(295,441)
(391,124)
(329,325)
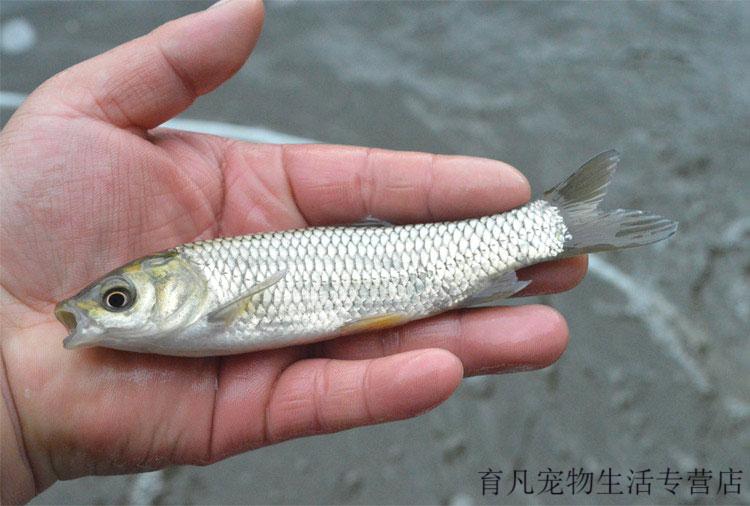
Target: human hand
(88,185)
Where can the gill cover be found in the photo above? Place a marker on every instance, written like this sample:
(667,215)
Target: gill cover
(156,295)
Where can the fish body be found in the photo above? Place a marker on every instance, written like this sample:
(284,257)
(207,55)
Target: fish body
(246,293)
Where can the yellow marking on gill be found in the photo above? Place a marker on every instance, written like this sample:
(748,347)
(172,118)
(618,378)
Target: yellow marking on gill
(133,266)
(90,307)
(159,264)
(164,270)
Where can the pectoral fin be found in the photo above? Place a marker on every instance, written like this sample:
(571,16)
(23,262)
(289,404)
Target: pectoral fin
(502,288)
(376,322)
(228,312)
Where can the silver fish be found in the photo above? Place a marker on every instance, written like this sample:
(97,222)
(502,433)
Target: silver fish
(254,292)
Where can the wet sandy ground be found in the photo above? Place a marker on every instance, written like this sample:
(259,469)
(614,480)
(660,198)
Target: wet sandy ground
(656,372)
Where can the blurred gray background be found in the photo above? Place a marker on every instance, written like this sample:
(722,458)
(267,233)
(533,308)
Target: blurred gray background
(657,369)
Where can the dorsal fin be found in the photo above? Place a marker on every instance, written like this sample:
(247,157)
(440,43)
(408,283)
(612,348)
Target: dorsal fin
(371,221)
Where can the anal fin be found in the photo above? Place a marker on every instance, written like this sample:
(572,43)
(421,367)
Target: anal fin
(377,322)
(501,288)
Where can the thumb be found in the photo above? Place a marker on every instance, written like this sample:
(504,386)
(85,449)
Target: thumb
(146,81)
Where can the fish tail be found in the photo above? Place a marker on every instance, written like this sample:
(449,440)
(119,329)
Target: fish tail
(592,229)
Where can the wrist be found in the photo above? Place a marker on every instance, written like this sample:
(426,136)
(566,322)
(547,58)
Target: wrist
(17,484)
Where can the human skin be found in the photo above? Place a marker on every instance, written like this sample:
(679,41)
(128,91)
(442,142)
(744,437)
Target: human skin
(90,183)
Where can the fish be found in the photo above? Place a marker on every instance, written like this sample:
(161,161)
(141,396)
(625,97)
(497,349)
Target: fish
(247,293)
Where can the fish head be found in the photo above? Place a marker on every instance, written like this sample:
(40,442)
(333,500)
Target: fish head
(135,306)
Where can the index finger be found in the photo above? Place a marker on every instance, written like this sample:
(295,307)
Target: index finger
(342,184)
(328,184)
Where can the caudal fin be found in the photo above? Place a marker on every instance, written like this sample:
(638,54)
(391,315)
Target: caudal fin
(592,229)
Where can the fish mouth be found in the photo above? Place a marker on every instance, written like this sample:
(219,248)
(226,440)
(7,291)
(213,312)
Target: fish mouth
(66,318)
(70,316)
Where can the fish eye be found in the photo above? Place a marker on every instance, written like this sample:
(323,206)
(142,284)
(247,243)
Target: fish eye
(118,298)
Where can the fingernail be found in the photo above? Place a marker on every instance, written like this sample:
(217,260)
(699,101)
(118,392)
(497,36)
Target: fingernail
(219,3)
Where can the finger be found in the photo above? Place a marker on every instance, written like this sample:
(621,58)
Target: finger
(316,396)
(340,184)
(322,395)
(244,387)
(491,340)
(144,82)
(553,277)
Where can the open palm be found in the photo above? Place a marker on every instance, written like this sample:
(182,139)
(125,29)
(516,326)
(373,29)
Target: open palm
(88,185)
